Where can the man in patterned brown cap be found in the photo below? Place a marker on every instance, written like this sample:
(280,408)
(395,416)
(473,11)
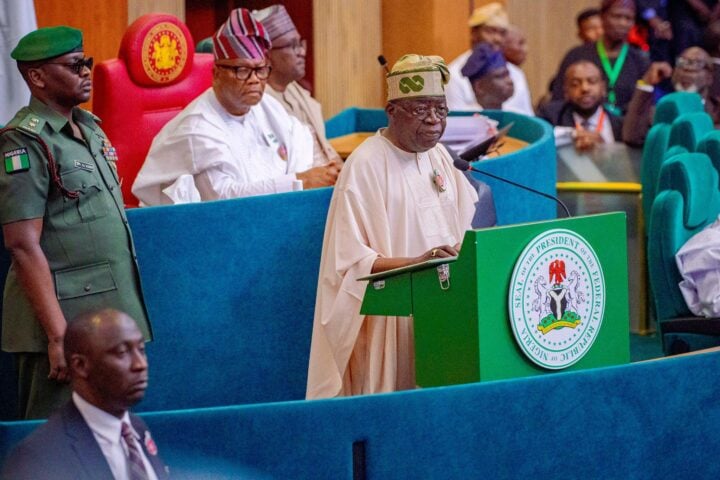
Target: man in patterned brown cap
(232,141)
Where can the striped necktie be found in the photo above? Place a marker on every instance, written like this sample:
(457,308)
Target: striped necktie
(136,467)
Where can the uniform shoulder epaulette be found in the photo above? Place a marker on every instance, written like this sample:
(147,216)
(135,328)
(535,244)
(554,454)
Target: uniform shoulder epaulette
(32,124)
(89,114)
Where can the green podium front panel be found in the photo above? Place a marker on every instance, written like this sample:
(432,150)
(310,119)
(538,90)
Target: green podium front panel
(463,328)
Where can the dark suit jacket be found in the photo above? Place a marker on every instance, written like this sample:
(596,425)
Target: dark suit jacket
(633,69)
(65,448)
(560,114)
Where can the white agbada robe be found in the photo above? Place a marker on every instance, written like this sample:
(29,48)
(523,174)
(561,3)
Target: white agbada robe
(205,153)
(461,97)
(699,264)
(385,204)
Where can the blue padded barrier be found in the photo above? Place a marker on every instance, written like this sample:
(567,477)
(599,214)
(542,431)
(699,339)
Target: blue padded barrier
(230,290)
(655,420)
(534,165)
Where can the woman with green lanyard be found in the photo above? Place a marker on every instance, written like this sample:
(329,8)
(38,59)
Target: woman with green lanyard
(622,64)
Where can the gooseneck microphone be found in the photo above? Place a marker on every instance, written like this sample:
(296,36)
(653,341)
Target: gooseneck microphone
(383,63)
(463,165)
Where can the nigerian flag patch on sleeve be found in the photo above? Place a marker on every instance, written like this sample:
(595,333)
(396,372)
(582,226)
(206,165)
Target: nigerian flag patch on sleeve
(16,160)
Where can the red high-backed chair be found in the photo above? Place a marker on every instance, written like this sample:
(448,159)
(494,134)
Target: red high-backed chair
(157,73)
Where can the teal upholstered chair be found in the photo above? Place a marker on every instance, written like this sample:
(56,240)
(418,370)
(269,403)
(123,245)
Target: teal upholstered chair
(689,128)
(675,104)
(204,46)
(654,153)
(710,145)
(687,201)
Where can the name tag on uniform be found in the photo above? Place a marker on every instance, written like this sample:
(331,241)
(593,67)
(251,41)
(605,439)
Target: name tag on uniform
(88,167)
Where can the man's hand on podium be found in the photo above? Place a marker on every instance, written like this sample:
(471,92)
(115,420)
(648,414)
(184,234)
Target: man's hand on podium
(443,251)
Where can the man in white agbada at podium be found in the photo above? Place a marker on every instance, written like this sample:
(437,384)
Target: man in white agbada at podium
(398,201)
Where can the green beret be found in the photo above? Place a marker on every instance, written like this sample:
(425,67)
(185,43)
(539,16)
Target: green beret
(46,43)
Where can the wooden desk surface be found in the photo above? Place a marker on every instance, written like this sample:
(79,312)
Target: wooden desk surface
(347,143)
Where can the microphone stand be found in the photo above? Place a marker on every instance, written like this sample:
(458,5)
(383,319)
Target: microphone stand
(524,187)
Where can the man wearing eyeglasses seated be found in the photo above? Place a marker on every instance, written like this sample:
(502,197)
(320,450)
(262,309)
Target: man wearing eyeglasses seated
(399,201)
(232,141)
(693,73)
(62,218)
(288,67)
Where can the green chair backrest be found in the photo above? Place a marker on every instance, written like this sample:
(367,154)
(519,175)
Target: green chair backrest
(689,128)
(710,145)
(204,46)
(687,201)
(675,104)
(654,150)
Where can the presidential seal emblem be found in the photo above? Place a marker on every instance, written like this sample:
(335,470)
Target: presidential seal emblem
(164,52)
(557,299)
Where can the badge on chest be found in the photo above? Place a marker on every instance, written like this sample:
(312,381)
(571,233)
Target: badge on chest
(274,143)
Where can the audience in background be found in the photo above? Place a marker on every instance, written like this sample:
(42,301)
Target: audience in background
(589,25)
(693,73)
(287,57)
(515,52)
(62,217)
(94,435)
(487,72)
(399,201)
(621,64)
(232,141)
(580,118)
(488,24)
(711,43)
(654,15)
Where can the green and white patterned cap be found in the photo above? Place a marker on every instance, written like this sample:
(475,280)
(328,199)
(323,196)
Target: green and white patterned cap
(417,76)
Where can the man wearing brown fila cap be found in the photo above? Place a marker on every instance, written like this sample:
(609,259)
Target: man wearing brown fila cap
(399,200)
(287,55)
(62,218)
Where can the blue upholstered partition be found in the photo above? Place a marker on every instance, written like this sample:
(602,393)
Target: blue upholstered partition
(534,166)
(656,420)
(230,289)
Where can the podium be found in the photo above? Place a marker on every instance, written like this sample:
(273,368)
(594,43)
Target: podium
(518,301)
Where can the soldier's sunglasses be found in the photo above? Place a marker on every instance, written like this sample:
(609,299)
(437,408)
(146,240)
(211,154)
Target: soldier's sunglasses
(77,66)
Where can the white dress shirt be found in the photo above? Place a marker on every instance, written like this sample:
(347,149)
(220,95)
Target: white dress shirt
(606,131)
(106,430)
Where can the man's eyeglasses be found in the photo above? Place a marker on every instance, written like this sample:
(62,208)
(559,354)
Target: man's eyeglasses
(243,73)
(298,46)
(77,66)
(421,112)
(691,63)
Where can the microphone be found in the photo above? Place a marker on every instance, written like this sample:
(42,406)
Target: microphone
(383,63)
(463,165)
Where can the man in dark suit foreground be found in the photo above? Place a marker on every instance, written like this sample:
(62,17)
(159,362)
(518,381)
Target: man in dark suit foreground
(94,436)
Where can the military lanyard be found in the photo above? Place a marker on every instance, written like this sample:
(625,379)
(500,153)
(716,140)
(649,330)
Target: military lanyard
(612,71)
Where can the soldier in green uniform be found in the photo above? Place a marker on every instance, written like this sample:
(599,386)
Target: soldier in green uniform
(62,218)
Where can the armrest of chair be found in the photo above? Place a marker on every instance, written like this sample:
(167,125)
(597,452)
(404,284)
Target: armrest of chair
(700,325)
